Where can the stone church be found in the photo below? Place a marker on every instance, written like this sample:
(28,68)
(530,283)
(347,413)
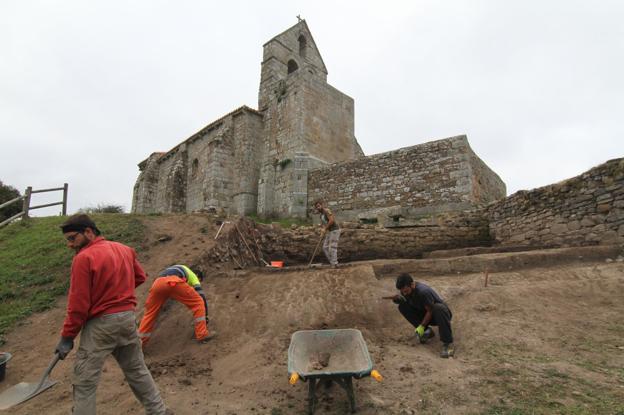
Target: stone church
(299,145)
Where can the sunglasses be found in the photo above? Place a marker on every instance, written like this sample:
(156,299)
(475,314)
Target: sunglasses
(72,238)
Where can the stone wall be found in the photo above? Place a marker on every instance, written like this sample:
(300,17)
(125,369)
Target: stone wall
(146,186)
(357,241)
(438,176)
(584,210)
(216,168)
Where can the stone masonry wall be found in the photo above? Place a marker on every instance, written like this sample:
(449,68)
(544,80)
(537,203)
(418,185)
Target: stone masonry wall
(146,186)
(327,118)
(363,242)
(584,210)
(218,167)
(357,241)
(438,176)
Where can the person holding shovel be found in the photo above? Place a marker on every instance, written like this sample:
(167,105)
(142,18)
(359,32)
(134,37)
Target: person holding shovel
(423,307)
(180,283)
(100,306)
(331,231)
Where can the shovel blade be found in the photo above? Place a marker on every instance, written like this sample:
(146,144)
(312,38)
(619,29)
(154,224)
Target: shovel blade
(22,392)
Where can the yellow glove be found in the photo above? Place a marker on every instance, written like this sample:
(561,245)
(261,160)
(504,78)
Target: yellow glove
(420,330)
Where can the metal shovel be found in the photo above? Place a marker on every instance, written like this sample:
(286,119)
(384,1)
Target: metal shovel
(23,391)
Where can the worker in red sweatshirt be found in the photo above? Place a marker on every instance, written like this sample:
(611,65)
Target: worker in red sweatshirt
(100,306)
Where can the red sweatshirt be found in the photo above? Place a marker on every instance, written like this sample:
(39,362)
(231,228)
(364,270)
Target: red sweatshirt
(104,275)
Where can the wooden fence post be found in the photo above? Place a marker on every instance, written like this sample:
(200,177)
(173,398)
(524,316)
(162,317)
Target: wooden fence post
(64,199)
(26,204)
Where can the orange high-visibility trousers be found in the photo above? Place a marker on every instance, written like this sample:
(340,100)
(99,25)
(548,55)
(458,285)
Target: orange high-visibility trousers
(175,288)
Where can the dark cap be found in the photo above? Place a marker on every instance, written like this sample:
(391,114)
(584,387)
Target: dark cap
(78,223)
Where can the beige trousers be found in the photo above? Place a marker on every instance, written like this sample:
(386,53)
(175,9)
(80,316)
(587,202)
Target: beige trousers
(330,246)
(114,334)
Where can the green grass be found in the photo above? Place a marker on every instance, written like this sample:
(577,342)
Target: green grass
(35,262)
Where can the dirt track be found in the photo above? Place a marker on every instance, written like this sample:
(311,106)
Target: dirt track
(550,338)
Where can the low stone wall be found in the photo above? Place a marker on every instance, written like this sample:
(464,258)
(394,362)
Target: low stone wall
(438,176)
(584,210)
(364,242)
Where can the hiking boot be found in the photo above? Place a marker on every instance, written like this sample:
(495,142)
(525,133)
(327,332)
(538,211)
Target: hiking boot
(208,337)
(448,350)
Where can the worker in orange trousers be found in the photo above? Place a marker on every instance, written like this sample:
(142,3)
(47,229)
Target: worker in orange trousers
(181,284)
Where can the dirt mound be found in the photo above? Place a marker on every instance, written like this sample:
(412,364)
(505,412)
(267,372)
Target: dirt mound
(546,338)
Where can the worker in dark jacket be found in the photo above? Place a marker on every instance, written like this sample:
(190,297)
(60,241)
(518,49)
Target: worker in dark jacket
(100,306)
(423,307)
(180,283)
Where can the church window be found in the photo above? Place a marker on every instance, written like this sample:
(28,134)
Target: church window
(194,168)
(302,46)
(292,66)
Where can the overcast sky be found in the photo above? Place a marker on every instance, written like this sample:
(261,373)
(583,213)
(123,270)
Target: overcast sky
(88,89)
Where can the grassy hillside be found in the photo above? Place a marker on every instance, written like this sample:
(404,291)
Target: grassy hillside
(35,262)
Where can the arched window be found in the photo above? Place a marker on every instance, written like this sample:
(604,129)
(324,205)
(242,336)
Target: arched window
(292,66)
(302,46)
(194,168)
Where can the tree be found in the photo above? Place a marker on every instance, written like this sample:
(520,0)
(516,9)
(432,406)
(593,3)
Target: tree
(7,193)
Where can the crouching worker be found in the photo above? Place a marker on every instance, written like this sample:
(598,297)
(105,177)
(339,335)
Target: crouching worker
(179,283)
(423,307)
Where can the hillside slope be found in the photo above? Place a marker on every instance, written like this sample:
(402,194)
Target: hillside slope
(540,340)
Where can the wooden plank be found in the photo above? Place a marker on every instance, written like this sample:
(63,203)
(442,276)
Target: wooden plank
(11,219)
(64,199)
(47,205)
(11,201)
(26,204)
(48,190)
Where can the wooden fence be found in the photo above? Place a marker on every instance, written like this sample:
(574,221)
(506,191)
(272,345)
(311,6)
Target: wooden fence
(26,198)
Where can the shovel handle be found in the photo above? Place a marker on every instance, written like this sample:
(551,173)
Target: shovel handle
(53,363)
(316,249)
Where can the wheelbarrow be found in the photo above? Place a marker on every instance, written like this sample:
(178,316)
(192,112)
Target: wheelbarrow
(326,356)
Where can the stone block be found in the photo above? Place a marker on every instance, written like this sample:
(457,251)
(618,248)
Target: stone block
(609,237)
(592,237)
(603,208)
(586,222)
(574,225)
(615,215)
(559,228)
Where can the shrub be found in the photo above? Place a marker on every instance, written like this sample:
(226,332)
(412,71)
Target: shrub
(7,193)
(102,208)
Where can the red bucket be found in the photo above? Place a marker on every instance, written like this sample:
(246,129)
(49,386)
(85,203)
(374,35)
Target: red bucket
(277,264)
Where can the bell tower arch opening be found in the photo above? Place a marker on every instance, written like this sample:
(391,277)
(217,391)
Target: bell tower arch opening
(303,43)
(292,66)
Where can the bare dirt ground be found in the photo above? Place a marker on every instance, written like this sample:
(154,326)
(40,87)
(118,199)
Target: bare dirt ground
(541,340)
